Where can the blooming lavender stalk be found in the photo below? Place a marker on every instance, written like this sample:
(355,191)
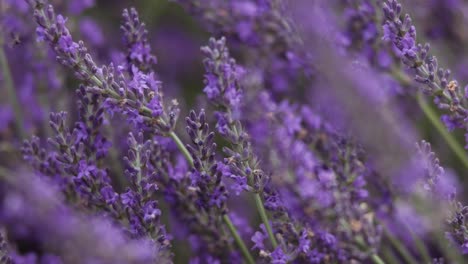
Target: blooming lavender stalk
(74,165)
(438,187)
(362,34)
(75,154)
(222,82)
(209,236)
(437,81)
(138,200)
(135,38)
(207,177)
(139,98)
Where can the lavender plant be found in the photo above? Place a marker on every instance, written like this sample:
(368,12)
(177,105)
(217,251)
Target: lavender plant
(300,124)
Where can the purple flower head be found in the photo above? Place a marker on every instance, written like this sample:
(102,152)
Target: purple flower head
(222,78)
(136,39)
(206,175)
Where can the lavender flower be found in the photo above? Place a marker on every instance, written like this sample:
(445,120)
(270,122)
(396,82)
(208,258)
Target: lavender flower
(436,185)
(437,81)
(135,37)
(242,163)
(196,210)
(139,98)
(138,201)
(206,177)
(74,162)
(222,75)
(226,93)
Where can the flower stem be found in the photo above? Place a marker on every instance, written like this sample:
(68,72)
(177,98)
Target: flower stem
(403,79)
(181,147)
(264,217)
(400,248)
(376,259)
(239,241)
(449,138)
(389,256)
(13,97)
(420,246)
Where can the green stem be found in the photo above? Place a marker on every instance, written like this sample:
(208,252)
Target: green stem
(240,242)
(433,117)
(390,256)
(13,97)
(452,254)
(138,165)
(264,217)
(400,248)
(449,138)
(181,147)
(376,259)
(421,247)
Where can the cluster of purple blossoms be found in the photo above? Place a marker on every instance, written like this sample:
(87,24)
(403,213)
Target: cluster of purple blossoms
(301,120)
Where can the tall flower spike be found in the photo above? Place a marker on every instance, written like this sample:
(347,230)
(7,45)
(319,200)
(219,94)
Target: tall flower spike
(222,75)
(139,97)
(136,208)
(436,81)
(206,176)
(223,88)
(209,236)
(136,40)
(433,169)
(139,199)
(455,222)
(72,160)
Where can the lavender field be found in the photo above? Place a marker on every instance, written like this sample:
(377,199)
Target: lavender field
(233,131)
